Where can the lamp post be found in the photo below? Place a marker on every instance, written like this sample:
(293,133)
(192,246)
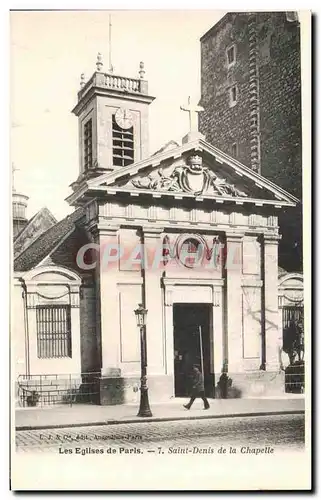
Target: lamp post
(144,409)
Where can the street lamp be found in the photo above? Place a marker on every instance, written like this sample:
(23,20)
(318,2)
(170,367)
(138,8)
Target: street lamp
(144,409)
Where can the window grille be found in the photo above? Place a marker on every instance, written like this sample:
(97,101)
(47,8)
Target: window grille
(53,331)
(88,144)
(123,145)
(291,314)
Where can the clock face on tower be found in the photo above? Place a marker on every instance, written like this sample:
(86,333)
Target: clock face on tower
(124,118)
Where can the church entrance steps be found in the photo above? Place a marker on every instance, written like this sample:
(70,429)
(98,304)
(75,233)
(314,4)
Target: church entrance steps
(57,389)
(85,415)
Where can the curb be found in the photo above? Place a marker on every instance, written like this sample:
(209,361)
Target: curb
(158,419)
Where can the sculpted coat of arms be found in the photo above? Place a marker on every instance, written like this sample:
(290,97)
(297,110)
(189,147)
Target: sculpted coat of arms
(190,178)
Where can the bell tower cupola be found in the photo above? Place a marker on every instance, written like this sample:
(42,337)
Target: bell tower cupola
(112,116)
(19,206)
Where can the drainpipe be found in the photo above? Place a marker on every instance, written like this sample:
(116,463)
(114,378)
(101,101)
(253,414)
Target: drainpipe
(26,327)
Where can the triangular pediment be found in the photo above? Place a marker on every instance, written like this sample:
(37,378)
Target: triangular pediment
(189,174)
(195,169)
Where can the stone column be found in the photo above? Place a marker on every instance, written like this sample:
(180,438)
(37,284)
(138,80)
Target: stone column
(273,333)
(233,306)
(152,272)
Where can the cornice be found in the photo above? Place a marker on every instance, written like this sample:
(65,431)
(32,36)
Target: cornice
(135,193)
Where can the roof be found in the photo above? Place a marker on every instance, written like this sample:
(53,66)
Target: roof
(166,147)
(47,242)
(37,225)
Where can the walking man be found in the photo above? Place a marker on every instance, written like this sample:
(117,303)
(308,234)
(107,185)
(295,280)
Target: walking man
(197,389)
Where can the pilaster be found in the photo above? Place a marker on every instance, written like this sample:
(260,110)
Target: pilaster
(217,339)
(169,330)
(272,331)
(107,237)
(153,299)
(233,306)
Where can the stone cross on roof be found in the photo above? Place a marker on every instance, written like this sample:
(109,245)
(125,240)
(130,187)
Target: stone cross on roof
(193,111)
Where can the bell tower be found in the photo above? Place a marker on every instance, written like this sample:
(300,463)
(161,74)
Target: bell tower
(112,116)
(19,206)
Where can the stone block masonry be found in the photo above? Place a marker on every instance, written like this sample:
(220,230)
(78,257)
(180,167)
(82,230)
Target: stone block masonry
(262,129)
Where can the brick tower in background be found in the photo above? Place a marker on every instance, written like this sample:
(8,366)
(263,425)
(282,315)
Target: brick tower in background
(251,94)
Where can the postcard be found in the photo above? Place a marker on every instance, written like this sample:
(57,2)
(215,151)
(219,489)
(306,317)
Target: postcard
(160,309)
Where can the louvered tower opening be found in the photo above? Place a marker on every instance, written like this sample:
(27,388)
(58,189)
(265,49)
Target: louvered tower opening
(123,145)
(88,145)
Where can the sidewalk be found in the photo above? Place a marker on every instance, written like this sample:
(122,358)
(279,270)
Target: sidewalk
(85,415)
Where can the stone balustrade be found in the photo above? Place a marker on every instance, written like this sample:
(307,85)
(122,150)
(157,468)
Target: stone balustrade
(114,82)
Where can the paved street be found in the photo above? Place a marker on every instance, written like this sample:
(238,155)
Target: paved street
(278,431)
(82,414)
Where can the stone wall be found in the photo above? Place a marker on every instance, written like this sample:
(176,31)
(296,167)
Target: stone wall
(221,124)
(267,73)
(280,101)
(278,60)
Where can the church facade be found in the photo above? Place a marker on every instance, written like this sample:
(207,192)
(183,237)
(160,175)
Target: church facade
(189,232)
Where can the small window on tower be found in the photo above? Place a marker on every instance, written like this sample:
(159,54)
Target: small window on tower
(88,144)
(233,95)
(234,150)
(231,55)
(123,139)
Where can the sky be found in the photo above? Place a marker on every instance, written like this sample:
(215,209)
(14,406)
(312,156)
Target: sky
(50,50)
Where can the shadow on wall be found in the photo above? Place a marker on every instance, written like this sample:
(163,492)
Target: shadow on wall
(256,315)
(225,388)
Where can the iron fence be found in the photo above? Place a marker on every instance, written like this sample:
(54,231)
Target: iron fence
(294,378)
(292,314)
(58,389)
